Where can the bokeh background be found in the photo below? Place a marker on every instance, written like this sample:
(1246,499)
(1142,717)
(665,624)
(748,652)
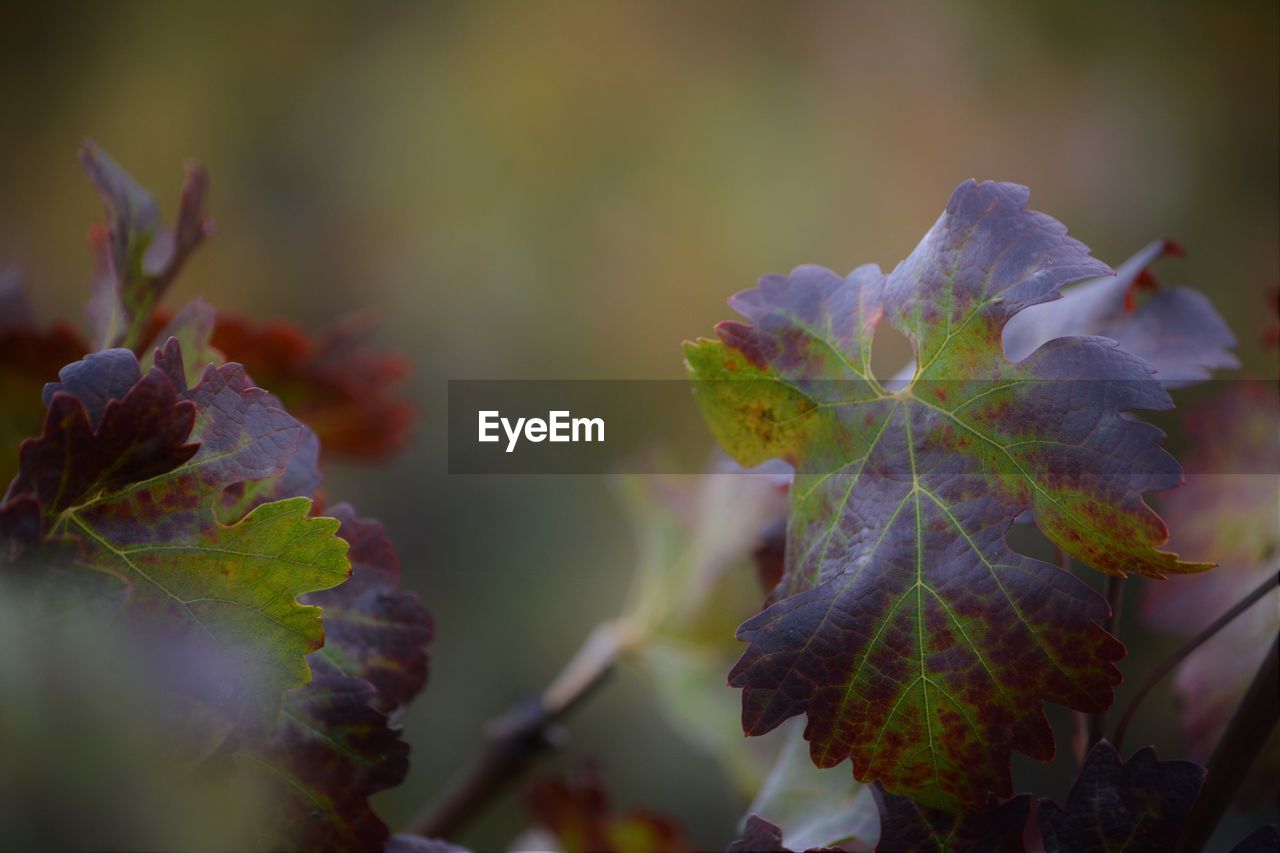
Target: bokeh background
(569,190)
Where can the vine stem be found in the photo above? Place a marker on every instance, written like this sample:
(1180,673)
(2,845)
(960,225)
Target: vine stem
(1235,753)
(1115,597)
(1080,729)
(519,736)
(1181,653)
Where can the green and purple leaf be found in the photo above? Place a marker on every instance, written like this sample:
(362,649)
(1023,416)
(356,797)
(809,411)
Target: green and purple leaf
(914,639)
(136,257)
(330,752)
(1136,805)
(150,517)
(908,826)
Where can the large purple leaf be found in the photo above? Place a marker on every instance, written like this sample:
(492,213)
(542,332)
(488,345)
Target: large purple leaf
(914,639)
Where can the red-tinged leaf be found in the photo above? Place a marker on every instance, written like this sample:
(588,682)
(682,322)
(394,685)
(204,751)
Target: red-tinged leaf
(347,392)
(229,590)
(908,826)
(373,630)
(914,639)
(1229,511)
(29,357)
(760,836)
(331,751)
(578,814)
(1137,805)
(1176,330)
(140,435)
(136,257)
(336,746)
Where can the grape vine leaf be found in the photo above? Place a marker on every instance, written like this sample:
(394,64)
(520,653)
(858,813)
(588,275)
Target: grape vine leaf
(1136,805)
(813,808)
(336,745)
(136,256)
(374,630)
(907,825)
(345,390)
(761,836)
(1176,330)
(150,517)
(29,357)
(915,640)
(577,812)
(1228,510)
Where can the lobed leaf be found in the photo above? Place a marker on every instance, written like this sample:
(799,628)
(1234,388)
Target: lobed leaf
(149,516)
(908,826)
(29,357)
(345,390)
(914,639)
(1136,805)
(336,745)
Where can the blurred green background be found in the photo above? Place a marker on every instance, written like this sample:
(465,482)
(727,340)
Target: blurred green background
(568,190)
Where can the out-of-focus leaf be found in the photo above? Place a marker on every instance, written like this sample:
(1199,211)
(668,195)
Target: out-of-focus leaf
(578,814)
(908,826)
(1136,805)
(1229,511)
(374,630)
(193,328)
(692,586)
(330,752)
(336,746)
(29,357)
(916,641)
(136,257)
(151,519)
(1175,330)
(812,808)
(760,836)
(344,390)
(405,843)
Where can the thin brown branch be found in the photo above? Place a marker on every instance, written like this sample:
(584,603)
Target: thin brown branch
(517,738)
(1181,653)
(1235,753)
(1115,597)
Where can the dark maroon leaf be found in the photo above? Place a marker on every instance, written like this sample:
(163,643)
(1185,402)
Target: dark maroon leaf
(761,836)
(374,630)
(908,826)
(330,752)
(137,435)
(1138,805)
(29,357)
